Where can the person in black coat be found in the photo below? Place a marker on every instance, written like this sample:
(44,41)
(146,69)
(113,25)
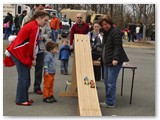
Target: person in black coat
(113,56)
(132,32)
(17,26)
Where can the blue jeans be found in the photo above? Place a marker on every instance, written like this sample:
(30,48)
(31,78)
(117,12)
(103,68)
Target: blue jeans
(110,79)
(54,35)
(23,81)
(141,35)
(7,33)
(64,66)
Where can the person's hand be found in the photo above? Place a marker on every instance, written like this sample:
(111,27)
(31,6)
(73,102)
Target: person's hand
(114,62)
(99,59)
(71,47)
(46,73)
(41,38)
(34,63)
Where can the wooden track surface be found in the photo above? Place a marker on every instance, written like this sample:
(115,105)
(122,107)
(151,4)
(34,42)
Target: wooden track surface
(87,96)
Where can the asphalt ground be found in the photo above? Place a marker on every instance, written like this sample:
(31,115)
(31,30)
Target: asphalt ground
(143,101)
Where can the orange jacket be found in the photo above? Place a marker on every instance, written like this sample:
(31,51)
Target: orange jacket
(54,24)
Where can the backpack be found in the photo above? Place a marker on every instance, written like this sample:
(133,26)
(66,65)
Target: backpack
(6,25)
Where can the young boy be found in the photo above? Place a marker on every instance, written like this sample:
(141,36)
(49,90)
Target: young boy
(64,56)
(49,71)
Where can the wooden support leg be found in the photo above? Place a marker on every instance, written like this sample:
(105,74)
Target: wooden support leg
(73,87)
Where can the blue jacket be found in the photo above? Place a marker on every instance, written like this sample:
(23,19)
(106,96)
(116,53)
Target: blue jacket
(64,52)
(49,62)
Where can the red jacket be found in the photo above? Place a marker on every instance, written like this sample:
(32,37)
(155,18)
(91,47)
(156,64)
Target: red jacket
(77,30)
(25,45)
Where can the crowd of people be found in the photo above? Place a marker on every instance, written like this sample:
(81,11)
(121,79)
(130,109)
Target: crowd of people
(31,47)
(13,25)
(133,32)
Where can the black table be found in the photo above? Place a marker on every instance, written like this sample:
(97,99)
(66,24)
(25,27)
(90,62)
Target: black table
(128,66)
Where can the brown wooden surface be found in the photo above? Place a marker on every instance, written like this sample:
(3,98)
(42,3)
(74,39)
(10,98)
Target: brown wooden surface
(88,103)
(87,96)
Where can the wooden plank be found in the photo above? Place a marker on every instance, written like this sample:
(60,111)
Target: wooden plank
(68,93)
(87,97)
(88,103)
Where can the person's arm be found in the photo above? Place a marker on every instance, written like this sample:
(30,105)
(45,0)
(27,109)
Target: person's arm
(46,31)
(50,24)
(72,35)
(59,57)
(24,21)
(117,44)
(57,24)
(87,27)
(46,64)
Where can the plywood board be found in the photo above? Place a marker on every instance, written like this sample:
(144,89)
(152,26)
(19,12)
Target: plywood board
(87,96)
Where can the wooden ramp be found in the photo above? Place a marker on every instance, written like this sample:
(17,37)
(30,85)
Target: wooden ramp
(88,102)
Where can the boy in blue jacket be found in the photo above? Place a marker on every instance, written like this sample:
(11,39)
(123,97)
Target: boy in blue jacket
(49,72)
(64,54)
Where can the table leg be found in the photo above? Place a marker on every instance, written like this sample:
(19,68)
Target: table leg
(122,82)
(132,86)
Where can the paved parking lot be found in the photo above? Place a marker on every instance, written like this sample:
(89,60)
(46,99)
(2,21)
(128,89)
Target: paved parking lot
(144,93)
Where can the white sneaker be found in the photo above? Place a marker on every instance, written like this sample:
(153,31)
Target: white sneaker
(104,105)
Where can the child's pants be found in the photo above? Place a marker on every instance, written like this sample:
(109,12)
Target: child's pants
(48,86)
(64,65)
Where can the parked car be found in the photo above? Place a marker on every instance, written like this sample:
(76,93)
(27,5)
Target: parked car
(65,30)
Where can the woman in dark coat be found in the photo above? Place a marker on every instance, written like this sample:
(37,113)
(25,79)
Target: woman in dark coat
(113,56)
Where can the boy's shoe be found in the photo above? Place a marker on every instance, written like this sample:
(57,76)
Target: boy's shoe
(47,100)
(66,74)
(104,105)
(62,72)
(39,92)
(52,98)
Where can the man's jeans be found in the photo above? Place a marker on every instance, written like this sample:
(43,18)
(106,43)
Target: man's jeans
(38,71)
(54,35)
(110,79)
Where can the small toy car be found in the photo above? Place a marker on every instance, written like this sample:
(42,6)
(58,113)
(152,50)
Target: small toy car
(92,84)
(86,81)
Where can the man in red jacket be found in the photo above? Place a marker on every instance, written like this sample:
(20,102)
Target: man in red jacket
(79,28)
